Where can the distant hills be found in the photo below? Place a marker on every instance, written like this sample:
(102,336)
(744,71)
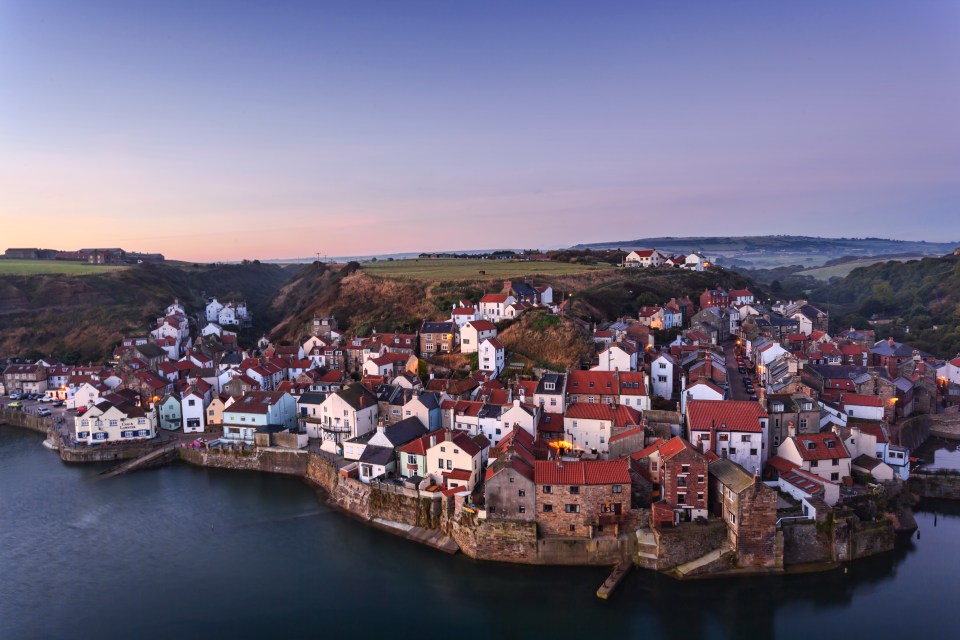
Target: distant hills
(768,252)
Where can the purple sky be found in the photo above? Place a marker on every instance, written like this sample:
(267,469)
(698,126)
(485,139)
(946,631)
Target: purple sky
(223,130)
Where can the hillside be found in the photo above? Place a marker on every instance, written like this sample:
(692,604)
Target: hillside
(548,340)
(916,301)
(362,301)
(81,318)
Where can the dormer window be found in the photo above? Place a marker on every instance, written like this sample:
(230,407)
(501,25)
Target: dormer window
(811,446)
(549,386)
(830,444)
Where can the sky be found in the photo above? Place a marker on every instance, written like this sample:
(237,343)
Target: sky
(210,130)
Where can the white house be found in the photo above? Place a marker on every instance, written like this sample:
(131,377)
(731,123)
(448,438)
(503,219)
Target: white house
(491,356)
(213,310)
(862,407)
(259,410)
(106,422)
(84,395)
(493,306)
(695,262)
(475,332)
(661,375)
(619,356)
(699,390)
(193,408)
(456,459)
(950,371)
(589,426)
(644,258)
(463,314)
(822,454)
(732,429)
(346,414)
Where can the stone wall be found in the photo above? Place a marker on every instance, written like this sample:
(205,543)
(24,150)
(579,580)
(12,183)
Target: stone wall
(935,485)
(106,453)
(871,538)
(805,543)
(688,541)
(506,541)
(22,419)
(758,545)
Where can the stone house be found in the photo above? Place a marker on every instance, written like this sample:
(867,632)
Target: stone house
(585,499)
(749,509)
(437,337)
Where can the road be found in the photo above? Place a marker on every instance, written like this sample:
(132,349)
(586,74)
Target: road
(735,379)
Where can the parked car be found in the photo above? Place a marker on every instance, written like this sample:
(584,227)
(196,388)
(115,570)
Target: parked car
(81,411)
(16,396)
(43,411)
(46,399)
(741,370)
(58,403)
(15,405)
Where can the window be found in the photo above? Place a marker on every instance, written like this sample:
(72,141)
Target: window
(681,498)
(834,476)
(449,464)
(572,508)
(699,497)
(733,450)
(836,462)
(522,493)
(411,459)
(573,527)
(547,489)
(684,468)
(803,424)
(548,508)
(661,378)
(511,479)
(443,449)
(440,461)
(753,452)
(733,518)
(191,403)
(663,366)
(699,478)
(813,463)
(744,438)
(617,488)
(523,509)
(574,489)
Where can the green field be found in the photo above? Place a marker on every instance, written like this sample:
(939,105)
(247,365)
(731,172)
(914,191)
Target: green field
(472,269)
(844,269)
(40,267)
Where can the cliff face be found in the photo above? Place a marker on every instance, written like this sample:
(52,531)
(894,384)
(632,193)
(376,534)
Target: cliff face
(81,318)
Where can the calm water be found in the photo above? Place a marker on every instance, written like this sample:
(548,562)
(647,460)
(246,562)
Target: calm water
(189,553)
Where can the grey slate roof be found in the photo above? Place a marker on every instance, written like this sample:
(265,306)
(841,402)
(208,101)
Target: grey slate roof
(408,429)
(730,474)
(373,454)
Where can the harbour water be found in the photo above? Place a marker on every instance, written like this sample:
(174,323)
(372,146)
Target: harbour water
(193,553)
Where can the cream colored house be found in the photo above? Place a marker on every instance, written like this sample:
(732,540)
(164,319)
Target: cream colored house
(455,459)
(472,334)
(105,422)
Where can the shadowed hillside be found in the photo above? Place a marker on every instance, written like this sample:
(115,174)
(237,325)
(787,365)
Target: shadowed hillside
(81,318)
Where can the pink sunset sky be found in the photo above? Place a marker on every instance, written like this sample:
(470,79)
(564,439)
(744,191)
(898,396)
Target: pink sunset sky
(222,130)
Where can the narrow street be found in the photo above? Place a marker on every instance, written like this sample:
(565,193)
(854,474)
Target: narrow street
(734,378)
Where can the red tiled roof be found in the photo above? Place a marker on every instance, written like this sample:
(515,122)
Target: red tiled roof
(625,434)
(627,380)
(582,472)
(495,298)
(725,415)
(620,415)
(482,325)
(782,465)
(550,423)
(674,446)
(871,428)
(814,446)
(465,311)
(651,448)
(602,382)
(862,400)
(457,474)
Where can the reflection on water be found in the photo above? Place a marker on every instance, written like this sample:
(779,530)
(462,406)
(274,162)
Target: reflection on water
(184,552)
